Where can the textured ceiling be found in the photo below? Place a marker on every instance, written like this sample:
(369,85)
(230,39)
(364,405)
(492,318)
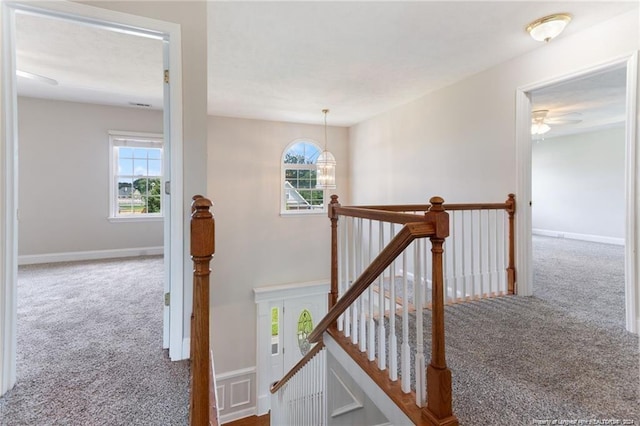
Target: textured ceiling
(287,61)
(593,101)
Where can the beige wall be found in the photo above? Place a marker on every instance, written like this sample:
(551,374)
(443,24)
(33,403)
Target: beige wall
(574,177)
(459,142)
(192,17)
(64,177)
(255,246)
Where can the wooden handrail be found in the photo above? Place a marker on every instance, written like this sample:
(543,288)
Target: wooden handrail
(426,207)
(202,251)
(303,361)
(396,246)
(381,215)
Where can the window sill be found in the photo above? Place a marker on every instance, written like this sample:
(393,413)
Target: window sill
(120,219)
(303,213)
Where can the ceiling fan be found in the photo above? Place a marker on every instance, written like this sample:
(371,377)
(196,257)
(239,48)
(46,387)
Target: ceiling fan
(542,120)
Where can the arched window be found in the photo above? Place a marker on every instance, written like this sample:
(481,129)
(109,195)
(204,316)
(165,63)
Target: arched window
(299,193)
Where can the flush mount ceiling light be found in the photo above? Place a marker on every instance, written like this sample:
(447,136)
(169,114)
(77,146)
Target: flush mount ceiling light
(549,27)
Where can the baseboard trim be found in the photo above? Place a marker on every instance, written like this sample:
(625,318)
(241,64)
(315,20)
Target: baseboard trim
(581,237)
(32,259)
(237,415)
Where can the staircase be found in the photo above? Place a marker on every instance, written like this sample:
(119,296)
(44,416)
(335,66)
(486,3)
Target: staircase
(390,274)
(383,279)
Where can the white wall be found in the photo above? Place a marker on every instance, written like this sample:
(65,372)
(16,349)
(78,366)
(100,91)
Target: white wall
(459,142)
(64,177)
(255,246)
(578,184)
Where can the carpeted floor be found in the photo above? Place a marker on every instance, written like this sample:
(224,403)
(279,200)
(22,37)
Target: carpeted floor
(90,347)
(562,354)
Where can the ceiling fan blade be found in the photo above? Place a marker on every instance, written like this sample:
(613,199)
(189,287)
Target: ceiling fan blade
(36,77)
(560,121)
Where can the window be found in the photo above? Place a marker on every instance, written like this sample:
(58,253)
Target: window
(136,175)
(305,327)
(299,193)
(275,330)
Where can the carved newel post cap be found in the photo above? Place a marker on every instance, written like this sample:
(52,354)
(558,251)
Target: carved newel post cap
(436,204)
(201,206)
(334,199)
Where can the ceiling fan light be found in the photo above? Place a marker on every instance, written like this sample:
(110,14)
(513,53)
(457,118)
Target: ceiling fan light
(539,128)
(549,27)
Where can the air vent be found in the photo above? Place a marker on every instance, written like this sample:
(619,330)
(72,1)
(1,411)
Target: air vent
(140,105)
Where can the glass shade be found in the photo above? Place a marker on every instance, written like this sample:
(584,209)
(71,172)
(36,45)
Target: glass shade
(539,128)
(326,167)
(549,27)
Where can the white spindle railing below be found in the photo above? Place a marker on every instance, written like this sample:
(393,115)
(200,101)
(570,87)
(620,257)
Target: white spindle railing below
(302,400)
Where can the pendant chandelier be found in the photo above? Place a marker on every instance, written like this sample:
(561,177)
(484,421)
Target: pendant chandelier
(325,164)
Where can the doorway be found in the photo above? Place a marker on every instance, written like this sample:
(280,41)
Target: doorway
(578,163)
(286,314)
(169,35)
(525,111)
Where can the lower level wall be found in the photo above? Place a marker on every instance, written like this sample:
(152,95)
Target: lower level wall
(236,396)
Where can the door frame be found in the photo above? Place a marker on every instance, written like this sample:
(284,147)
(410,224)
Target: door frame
(524,177)
(174,258)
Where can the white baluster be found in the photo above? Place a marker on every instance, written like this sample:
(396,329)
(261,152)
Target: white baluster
(393,339)
(349,235)
(405,355)
(505,244)
(463,247)
(451,249)
(363,317)
(371,349)
(420,384)
(480,257)
(382,338)
(341,268)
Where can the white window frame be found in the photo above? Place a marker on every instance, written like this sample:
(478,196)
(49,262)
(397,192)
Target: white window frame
(135,139)
(283,167)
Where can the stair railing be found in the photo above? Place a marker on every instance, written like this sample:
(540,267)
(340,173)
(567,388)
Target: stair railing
(480,252)
(364,302)
(299,398)
(203,409)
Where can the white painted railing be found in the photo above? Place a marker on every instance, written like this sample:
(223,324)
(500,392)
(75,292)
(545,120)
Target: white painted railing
(476,263)
(373,303)
(302,399)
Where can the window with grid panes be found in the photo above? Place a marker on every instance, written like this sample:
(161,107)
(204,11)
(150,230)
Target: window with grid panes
(299,193)
(136,181)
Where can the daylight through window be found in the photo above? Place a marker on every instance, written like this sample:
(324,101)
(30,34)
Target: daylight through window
(137,175)
(299,193)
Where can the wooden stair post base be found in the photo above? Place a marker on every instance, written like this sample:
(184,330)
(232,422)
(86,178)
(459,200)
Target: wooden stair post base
(438,411)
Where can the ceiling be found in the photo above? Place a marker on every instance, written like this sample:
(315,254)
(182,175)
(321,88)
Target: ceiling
(286,61)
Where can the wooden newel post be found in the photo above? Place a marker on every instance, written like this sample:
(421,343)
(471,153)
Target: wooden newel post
(333,292)
(511,269)
(438,410)
(202,250)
